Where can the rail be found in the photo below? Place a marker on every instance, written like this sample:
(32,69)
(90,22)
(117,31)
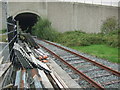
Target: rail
(95,84)
(96,63)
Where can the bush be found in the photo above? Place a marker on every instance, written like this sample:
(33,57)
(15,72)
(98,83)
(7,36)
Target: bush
(110,24)
(112,40)
(78,38)
(44,30)
(111,31)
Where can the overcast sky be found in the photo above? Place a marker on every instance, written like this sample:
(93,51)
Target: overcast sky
(104,2)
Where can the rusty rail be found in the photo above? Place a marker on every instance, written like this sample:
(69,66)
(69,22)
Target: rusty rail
(95,63)
(95,84)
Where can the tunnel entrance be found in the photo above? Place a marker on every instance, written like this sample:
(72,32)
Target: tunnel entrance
(26,21)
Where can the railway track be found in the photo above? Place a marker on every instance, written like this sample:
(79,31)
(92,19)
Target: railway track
(87,73)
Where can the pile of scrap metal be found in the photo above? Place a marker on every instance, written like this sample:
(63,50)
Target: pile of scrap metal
(28,69)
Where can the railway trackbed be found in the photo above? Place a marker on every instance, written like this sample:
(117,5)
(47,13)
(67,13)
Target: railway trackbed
(86,72)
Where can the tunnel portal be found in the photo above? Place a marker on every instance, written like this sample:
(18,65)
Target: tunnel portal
(26,21)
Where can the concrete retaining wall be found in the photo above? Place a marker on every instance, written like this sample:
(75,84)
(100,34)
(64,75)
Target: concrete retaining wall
(66,16)
(77,16)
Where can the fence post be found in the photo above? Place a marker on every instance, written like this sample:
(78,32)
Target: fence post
(11,27)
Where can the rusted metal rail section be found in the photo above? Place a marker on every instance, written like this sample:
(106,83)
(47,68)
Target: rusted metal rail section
(92,82)
(85,58)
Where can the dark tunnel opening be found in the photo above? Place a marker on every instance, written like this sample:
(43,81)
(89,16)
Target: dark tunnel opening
(26,21)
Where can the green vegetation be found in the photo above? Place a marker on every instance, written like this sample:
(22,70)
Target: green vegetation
(104,45)
(101,51)
(111,39)
(3,37)
(110,24)
(44,30)
(2,31)
(78,38)
(100,45)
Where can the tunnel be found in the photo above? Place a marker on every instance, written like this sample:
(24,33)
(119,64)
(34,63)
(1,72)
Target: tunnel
(26,21)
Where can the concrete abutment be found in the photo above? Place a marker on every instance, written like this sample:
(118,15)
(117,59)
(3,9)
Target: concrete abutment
(64,16)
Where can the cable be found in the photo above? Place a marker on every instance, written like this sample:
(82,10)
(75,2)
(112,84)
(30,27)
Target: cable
(9,55)
(8,44)
(11,24)
(8,33)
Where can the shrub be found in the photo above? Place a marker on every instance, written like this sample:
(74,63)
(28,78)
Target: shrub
(112,40)
(111,31)
(110,24)
(78,38)
(44,30)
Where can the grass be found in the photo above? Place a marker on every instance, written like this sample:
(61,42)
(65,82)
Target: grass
(3,38)
(3,31)
(101,51)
